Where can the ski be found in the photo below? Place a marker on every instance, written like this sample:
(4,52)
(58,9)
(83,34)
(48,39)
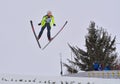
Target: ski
(55,35)
(35,33)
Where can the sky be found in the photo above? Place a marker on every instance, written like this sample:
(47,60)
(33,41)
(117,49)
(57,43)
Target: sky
(19,52)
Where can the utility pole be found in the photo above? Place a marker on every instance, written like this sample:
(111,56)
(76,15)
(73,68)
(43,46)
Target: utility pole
(61,72)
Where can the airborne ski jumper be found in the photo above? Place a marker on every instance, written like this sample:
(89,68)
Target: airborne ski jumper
(47,22)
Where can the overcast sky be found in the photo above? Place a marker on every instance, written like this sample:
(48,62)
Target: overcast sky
(19,52)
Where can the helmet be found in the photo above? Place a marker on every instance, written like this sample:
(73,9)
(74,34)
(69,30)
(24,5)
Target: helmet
(49,13)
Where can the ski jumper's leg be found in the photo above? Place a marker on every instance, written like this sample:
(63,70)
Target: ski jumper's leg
(48,31)
(41,32)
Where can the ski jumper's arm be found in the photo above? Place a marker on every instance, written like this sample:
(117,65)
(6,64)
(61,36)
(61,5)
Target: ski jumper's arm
(43,21)
(53,21)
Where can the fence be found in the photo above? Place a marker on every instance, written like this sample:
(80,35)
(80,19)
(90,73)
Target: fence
(97,74)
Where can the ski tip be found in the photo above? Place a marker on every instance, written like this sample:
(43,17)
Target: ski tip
(40,47)
(66,21)
(68,44)
(30,21)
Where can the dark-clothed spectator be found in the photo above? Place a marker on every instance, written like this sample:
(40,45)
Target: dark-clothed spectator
(96,66)
(107,68)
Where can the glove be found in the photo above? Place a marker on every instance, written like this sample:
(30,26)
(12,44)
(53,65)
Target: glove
(54,24)
(39,24)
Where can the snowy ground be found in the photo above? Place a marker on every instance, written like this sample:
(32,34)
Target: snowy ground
(22,79)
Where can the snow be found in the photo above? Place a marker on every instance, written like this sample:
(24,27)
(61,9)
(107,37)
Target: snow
(27,79)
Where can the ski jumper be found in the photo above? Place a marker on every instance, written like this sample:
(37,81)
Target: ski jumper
(47,21)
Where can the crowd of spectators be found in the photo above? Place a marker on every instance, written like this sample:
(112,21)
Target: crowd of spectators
(99,67)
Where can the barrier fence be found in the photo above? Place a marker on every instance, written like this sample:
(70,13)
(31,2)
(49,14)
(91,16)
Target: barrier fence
(97,74)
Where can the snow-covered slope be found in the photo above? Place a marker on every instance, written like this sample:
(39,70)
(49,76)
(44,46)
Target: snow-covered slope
(22,79)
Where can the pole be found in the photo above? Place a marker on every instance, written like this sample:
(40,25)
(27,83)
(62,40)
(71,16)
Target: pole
(61,72)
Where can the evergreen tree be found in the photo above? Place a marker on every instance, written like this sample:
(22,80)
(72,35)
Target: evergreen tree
(100,47)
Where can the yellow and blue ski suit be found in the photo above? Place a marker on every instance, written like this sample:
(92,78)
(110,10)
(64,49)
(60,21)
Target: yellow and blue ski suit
(43,22)
(47,21)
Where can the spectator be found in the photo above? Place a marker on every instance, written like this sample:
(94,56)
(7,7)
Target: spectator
(96,66)
(100,67)
(107,67)
(117,67)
